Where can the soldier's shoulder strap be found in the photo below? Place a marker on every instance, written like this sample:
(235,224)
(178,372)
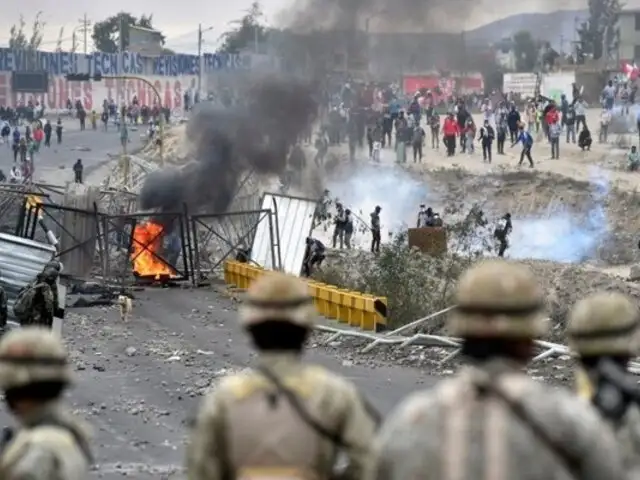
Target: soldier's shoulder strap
(570,460)
(368,406)
(301,410)
(82,443)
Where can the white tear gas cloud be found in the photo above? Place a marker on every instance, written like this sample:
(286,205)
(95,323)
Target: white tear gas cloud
(562,235)
(228,142)
(393,189)
(558,235)
(621,123)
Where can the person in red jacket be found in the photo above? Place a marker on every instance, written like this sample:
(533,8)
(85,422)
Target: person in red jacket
(450,130)
(551,117)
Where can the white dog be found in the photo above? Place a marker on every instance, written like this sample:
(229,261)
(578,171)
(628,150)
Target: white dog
(126,306)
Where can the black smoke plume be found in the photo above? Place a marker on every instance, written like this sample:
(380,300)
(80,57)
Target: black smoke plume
(228,142)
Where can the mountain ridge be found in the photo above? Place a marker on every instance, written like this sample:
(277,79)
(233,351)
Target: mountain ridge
(558,28)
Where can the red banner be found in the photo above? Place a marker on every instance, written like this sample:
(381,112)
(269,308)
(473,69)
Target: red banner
(448,85)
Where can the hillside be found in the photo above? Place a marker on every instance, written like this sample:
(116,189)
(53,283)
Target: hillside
(558,28)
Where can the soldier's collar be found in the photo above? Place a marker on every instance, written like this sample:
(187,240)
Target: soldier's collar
(46,410)
(270,359)
(498,366)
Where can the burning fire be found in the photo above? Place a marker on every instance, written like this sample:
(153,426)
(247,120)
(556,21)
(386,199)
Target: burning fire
(33,201)
(147,241)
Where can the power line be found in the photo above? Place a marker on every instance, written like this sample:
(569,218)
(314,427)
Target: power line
(193,33)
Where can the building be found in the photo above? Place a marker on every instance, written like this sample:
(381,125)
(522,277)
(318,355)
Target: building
(629,22)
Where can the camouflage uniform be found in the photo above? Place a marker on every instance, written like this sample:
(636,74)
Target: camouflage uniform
(606,325)
(492,421)
(3,310)
(249,428)
(51,278)
(50,444)
(42,307)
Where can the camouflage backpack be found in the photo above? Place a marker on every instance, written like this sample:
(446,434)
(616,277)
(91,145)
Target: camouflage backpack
(24,303)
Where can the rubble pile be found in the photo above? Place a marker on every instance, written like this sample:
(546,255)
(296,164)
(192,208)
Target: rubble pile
(139,168)
(176,149)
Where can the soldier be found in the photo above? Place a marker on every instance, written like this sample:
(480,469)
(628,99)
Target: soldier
(4,312)
(40,300)
(603,329)
(492,421)
(49,443)
(51,278)
(285,418)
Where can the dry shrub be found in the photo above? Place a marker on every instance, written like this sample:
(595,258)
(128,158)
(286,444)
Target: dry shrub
(415,284)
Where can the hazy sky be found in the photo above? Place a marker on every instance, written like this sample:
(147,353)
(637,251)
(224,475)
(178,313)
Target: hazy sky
(178,19)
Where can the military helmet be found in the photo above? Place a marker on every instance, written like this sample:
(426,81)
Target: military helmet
(50,273)
(32,355)
(604,324)
(54,264)
(278,296)
(498,299)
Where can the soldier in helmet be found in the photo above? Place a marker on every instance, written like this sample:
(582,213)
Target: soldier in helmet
(49,443)
(51,274)
(55,265)
(284,418)
(603,332)
(4,311)
(493,421)
(41,302)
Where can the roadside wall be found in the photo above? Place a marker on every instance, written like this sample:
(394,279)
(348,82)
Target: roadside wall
(92,94)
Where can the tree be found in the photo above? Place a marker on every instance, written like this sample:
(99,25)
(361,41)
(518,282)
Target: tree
(525,51)
(106,34)
(599,35)
(249,32)
(18,38)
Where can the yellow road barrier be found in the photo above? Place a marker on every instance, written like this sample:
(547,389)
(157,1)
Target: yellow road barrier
(364,311)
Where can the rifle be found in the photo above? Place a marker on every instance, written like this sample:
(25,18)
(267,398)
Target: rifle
(6,436)
(615,390)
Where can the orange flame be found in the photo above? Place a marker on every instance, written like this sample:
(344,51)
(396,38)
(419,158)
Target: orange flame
(147,241)
(33,201)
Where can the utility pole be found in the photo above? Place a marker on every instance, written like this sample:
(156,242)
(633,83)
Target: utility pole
(201,31)
(199,58)
(121,26)
(85,27)
(463,41)
(85,23)
(255,38)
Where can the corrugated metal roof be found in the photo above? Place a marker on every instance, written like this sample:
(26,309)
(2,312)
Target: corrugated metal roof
(21,260)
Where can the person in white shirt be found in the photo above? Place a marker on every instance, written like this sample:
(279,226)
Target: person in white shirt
(580,107)
(425,217)
(15,176)
(487,112)
(605,121)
